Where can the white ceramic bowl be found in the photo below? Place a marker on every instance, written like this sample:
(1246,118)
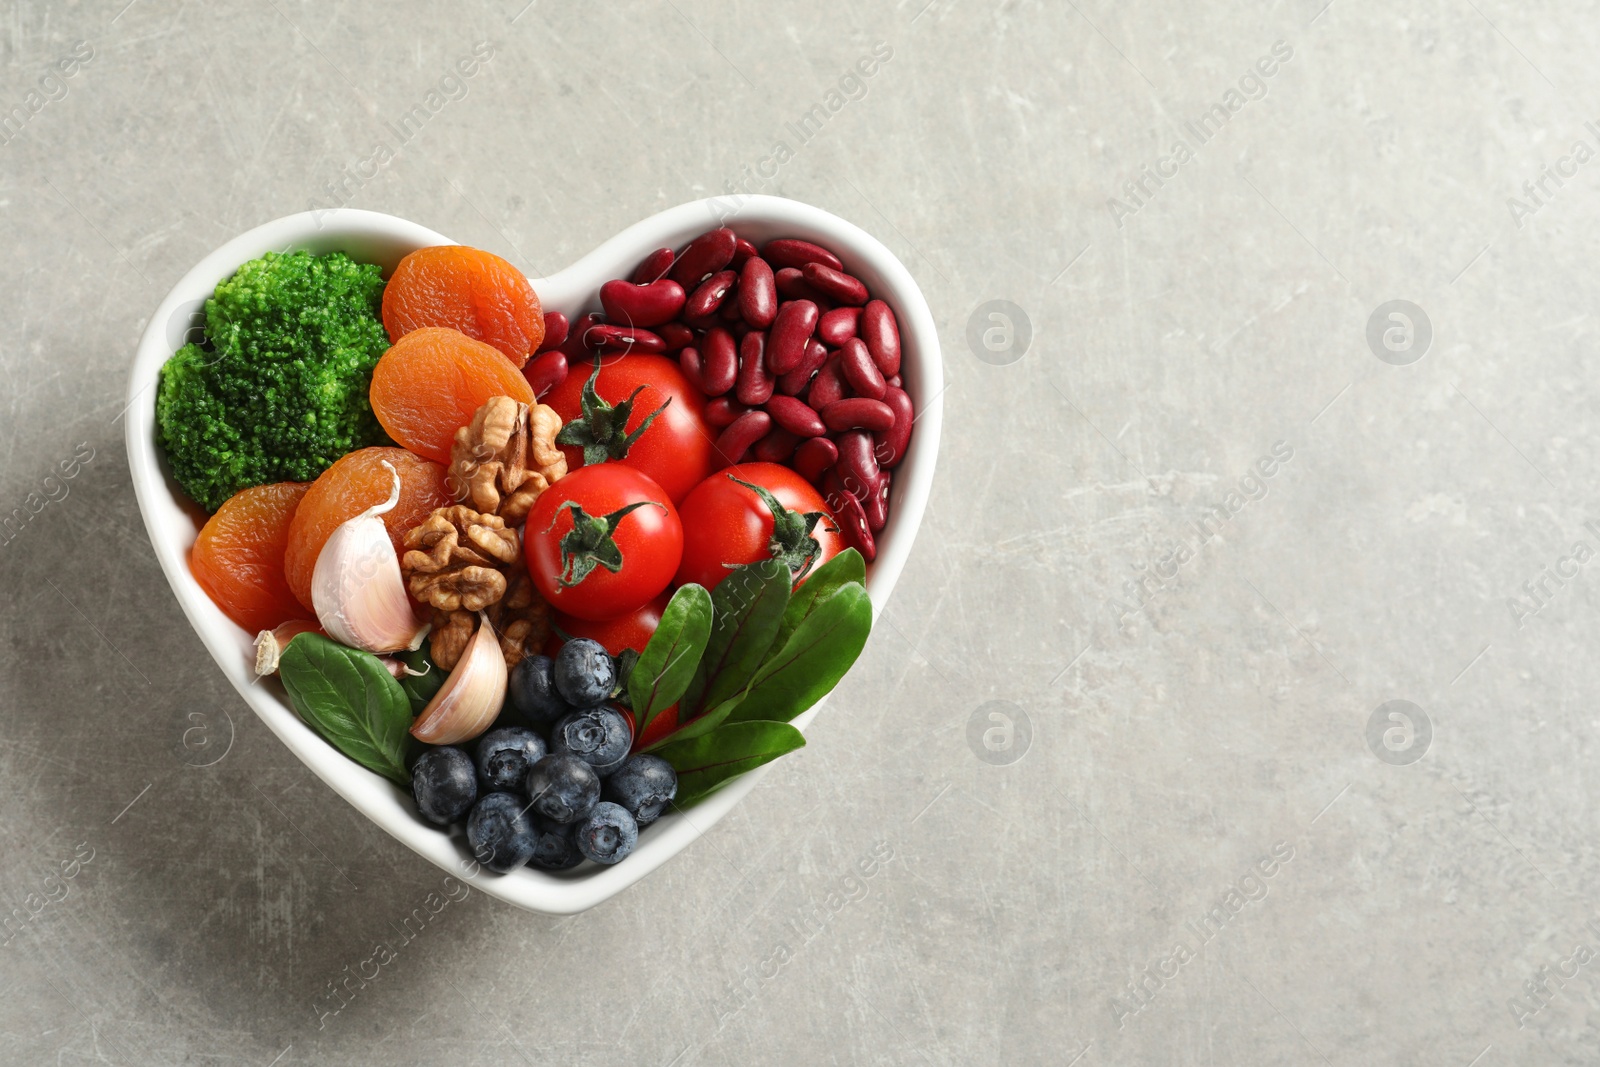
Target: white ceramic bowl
(173,521)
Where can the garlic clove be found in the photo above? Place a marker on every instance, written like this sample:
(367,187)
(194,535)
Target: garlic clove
(470,699)
(271,643)
(357,589)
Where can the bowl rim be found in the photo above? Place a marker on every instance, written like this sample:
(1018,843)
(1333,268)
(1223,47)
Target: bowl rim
(167,513)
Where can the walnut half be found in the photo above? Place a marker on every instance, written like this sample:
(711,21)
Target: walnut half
(453,561)
(505,457)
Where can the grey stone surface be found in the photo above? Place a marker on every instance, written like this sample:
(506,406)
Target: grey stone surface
(1176,340)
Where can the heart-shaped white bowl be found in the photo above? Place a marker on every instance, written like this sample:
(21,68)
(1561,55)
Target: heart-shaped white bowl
(173,521)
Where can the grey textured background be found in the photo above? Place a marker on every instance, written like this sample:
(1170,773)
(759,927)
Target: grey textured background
(1173,745)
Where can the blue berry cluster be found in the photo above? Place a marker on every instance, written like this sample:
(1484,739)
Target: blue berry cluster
(556,786)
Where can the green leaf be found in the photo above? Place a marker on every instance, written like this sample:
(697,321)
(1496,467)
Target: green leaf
(811,662)
(668,663)
(420,687)
(847,566)
(699,725)
(747,608)
(351,699)
(626,661)
(707,762)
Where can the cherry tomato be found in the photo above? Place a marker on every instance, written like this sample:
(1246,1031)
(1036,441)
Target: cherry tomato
(627,543)
(677,447)
(634,631)
(728,524)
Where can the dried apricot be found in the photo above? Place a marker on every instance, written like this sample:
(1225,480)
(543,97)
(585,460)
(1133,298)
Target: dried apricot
(352,485)
(432,381)
(238,557)
(469,290)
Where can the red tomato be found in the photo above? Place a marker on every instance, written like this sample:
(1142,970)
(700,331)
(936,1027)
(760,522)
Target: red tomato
(729,524)
(677,448)
(573,570)
(634,631)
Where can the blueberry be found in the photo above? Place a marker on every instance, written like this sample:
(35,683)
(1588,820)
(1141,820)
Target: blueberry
(607,834)
(532,694)
(644,785)
(445,784)
(598,736)
(501,832)
(563,788)
(554,850)
(504,756)
(585,673)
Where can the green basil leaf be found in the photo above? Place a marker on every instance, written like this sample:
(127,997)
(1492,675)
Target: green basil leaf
(707,762)
(352,700)
(846,567)
(747,609)
(819,652)
(699,725)
(668,663)
(419,688)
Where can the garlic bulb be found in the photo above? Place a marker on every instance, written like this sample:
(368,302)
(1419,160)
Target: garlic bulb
(470,698)
(357,589)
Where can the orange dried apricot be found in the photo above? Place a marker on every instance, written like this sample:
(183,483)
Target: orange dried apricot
(432,381)
(469,290)
(238,557)
(353,484)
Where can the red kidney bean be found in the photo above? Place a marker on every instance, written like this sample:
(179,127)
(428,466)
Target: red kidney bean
(860,371)
(614,338)
(756,383)
(796,322)
(882,335)
(852,520)
(876,505)
(833,284)
(890,445)
(827,387)
(838,326)
(676,335)
(545,371)
(735,441)
(642,305)
(790,383)
(743,252)
(730,313)
(719,360)
(776,447)
(654,267)
(693,368)
(795,416)
(758,293)
(791,252)
(577,347)
(555,331)
(706,254)
(708,297)
(721,412)
(792,284)
(814,458)
(856,467)
(857,413)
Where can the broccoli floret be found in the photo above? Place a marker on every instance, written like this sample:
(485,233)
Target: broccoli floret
(278,389)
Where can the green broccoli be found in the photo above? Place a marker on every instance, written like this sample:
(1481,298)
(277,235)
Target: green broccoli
(278,389)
